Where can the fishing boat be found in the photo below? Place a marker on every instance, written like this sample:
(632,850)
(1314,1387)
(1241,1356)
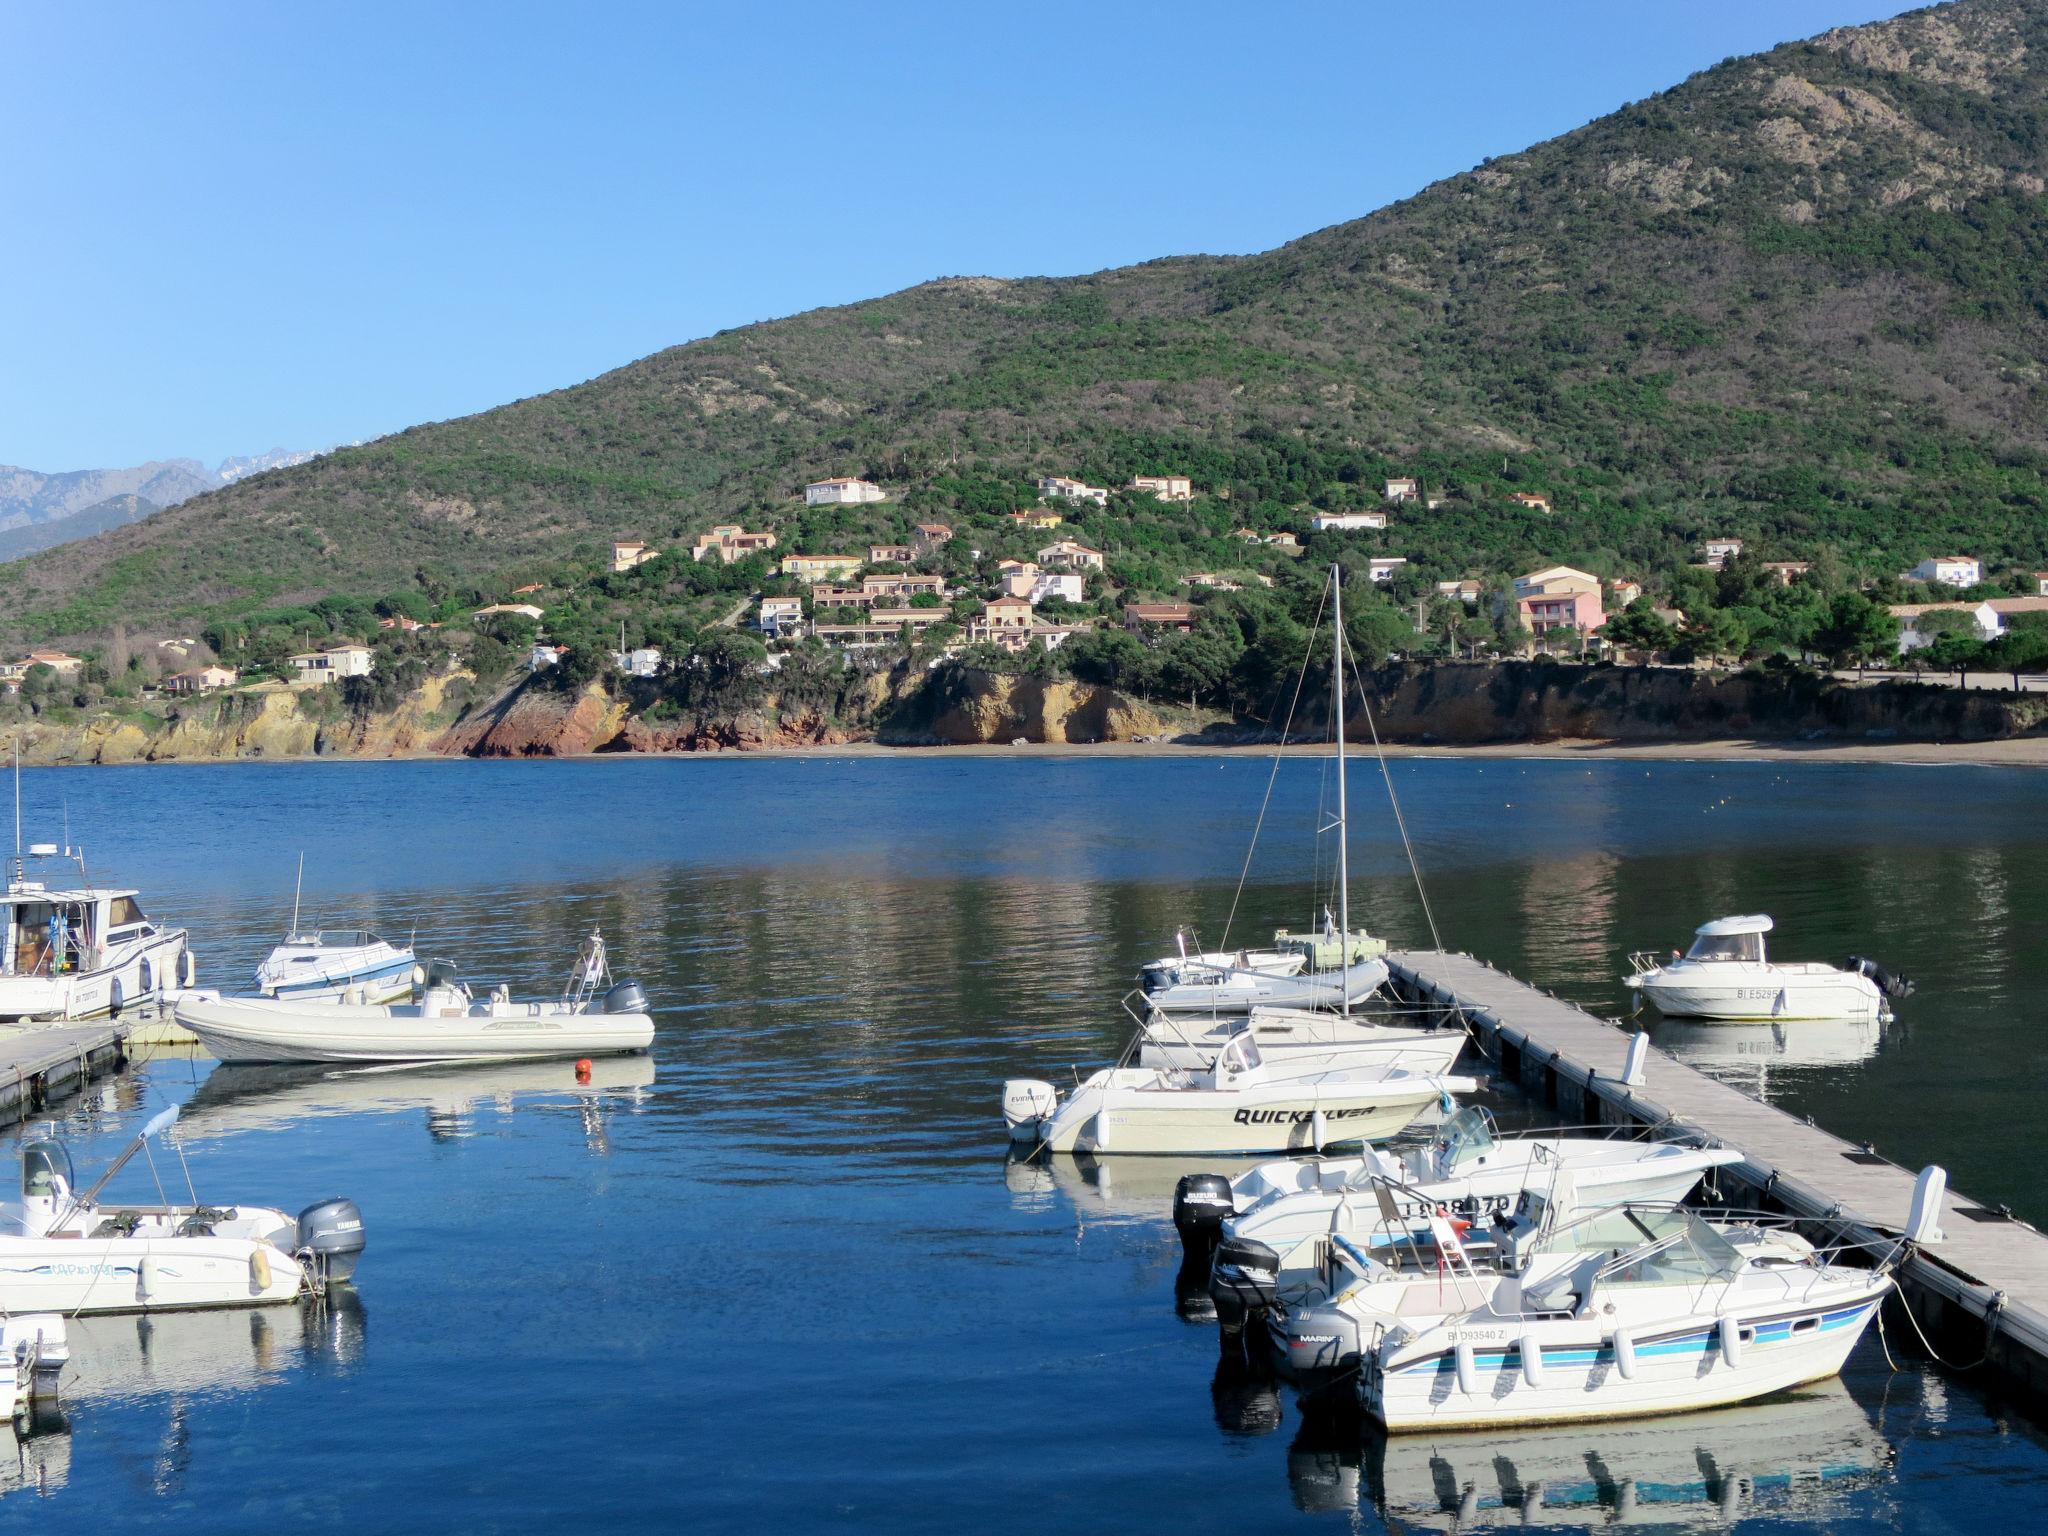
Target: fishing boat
(446,1021)
(1466,1169)
(1296,1040)
(62,1250)
(353,964)
(1726,975)
(1238,1105)
(74,949)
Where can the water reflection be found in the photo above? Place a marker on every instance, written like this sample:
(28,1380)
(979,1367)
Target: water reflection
(1800,1457)
(1751,1055)
(171,1354)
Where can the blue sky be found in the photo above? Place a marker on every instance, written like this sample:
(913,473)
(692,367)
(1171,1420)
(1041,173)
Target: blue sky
(232,228)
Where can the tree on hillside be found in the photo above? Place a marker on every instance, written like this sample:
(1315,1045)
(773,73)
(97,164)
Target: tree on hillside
(2017,651)
(1639,627)
(1855,629)
(1957,653)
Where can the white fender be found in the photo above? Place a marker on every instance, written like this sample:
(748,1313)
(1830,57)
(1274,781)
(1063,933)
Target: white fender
(1632,1069)
(145,1273)
(1468,1370)
(1532,1360)
(1923,1224)
(1102,1126)
(1317,1131)
(1730,1329)
(1625,1354)
(259,1269)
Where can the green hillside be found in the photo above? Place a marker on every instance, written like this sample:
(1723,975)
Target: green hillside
(1800,298)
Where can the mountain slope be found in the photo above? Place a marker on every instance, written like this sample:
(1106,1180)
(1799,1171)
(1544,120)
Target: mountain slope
(1801,297)
(114,512)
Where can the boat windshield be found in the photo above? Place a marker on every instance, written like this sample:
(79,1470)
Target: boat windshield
(43,1165)
(1728,946)
(1242,1054)
(1649,1247)
(1468,1133)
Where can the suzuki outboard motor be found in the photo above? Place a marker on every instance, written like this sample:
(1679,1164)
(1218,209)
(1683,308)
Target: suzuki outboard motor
(626,996)
(1244,1283)
(1890,983)
(331,1240)
(1201,1204)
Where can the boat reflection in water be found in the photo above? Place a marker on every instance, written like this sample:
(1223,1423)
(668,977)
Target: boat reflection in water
(174,1359)
(239,1099)
(1796,1456)
(1745,1055)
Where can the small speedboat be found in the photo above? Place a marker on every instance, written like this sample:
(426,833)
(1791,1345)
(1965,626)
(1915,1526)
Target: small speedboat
(1297,1040)
(61,1250)
(445,1022)
(1169,969)
(1467,1169)
(354,965)
(1238,1105)
(1726,975)
(1230,989)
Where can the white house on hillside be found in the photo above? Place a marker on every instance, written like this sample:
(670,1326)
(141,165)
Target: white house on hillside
(1949,570)
(842,489)
(1059,486)
(1326,522)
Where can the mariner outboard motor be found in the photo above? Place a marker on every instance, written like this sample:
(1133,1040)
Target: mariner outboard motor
(1202,1202)
(626,996)
(1244,1282)
(331,1240)
(1889,982)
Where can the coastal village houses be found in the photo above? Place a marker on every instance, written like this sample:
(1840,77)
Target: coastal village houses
(1719,552)
(811,568)
(843,490)
(1949,570)
(644,661)
(1532,500)
(1559,597)
(201,680)
(930,536)
(1036,518)
(891,554)
(730,542)
(1787,570)
(335,662)
(1059,487)
(1625,592)
(628,553)
(1466,592)
(1987,618)
(1346,522)
(780,616)
(880,627)
(521,610)
(1403,489)
(2041,583)
(1139,617)
(1385,567)
(1164,487)
(1071,554)
(63,663)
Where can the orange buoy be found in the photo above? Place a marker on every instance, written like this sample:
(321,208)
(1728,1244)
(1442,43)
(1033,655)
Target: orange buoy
(583,1069)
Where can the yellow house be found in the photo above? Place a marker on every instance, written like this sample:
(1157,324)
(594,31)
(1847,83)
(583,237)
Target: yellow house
(810,568)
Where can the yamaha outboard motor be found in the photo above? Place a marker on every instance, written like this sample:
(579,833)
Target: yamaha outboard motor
(331,1239)
(1244,1282)
(1202,1202)
(626,996)
(1890,983)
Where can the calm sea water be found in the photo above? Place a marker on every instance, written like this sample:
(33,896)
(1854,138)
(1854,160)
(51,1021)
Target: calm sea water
(780,1275)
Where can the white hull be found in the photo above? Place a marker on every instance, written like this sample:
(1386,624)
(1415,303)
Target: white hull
(1765,997)
(1676,1370)
(143,1274)
(1125,1115)
(1303,1043)
(136,973)
(261,1030)
(1238,992)
(309,971)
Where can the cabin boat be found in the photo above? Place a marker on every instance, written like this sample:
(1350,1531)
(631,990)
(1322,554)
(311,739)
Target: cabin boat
(76,950)
(61,1250)
(1169,969)
(1238,1105)
(1467,1169)
(446,1021)
(327,967)
(1297,1040)
(1726,975)
(1231,990)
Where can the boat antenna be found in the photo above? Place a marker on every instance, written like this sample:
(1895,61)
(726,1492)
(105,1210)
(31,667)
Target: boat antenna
(1343,822)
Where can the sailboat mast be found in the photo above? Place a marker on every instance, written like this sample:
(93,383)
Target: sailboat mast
(297,886)
(1343,809)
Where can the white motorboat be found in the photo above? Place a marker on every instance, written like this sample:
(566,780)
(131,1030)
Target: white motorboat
(36,1346)
(354,965)
(1466,1169)
(1297,1040)
(1231,990)
(447,1022)
(61,1250)
(1238,1105)
(1168,969)
(1726,975)
(77,950)
(1620,1312)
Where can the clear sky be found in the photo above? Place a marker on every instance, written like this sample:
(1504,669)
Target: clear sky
(234,228)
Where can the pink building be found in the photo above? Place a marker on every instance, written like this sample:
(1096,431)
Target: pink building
(1559,597)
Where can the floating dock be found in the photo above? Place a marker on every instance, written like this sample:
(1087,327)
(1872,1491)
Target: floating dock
(40,1065)
(1981,1293)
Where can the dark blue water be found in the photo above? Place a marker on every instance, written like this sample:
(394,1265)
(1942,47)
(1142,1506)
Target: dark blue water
(781,1275)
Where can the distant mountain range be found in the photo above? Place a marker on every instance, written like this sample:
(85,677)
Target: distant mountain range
(40,511)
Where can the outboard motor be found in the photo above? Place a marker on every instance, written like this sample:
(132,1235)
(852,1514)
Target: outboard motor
(1244,1282)
(331,1240)
(1027,1105)
(1202,1202)
(626,996)
(1889,982)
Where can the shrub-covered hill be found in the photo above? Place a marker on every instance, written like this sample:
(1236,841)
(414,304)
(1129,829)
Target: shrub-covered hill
(1801,297)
